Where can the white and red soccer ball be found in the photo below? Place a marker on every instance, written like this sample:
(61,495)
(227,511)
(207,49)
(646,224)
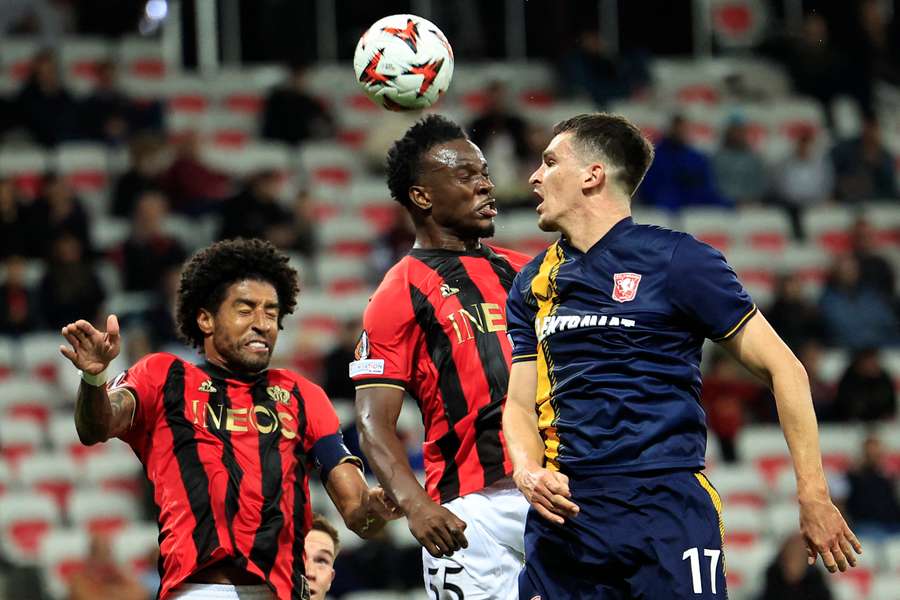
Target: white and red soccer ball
(403,62)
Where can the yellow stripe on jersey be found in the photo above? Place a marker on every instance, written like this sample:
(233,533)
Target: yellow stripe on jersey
(739,324)
(717,503)
(544,289)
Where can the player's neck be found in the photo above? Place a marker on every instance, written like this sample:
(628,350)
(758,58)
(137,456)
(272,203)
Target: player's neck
(593,222)
(437,238)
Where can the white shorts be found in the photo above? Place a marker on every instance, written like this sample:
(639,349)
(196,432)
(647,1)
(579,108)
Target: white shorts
(218,591)
(489,567)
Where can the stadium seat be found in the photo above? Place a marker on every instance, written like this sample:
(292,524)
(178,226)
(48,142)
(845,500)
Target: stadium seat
(135,544)
(142,57)
(62,554)
(114,470)
(885,218)
(744,525)
(347,238)
(739,485)
(329,164)
(108,233)
(80,56)
(763,228)
(892,555)
(764,447)
(19,438)
(745,566)
(51,473)
(833,363)
(9,354)
(858,580)
(16,53)
(85,166)
(649,118)
(249,158)
(40,353)
(653,216)
(841,445)
(783,519)
(64,438)
(340,275)
(828,227)
(7,478)
(885,586)
(101,511)
(25,518)
(711,225)
(27,398)
(25,166)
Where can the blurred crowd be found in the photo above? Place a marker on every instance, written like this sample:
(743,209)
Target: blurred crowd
(857,310)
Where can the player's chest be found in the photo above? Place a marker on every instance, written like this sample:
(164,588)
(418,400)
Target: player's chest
(241,412)
(464,309)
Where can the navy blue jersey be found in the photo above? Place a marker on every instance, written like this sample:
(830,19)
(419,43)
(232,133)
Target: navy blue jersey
(617,334)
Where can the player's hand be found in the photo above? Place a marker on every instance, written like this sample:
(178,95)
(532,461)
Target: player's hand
(548,492)
(381,505)
(827,535)
(438,530)
(91,350)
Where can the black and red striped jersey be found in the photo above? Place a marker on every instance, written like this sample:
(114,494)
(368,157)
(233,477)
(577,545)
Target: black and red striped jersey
(436,327)
(228,458)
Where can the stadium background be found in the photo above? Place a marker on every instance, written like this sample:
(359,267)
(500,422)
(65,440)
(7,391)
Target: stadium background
(172,124)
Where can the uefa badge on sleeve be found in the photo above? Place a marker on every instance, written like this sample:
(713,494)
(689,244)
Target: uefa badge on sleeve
(625,286)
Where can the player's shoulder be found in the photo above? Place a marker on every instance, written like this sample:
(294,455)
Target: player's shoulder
(156,362)
(516,259)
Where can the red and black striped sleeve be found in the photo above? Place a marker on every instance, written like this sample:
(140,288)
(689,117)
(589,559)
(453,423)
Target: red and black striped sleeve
(384,354)
(144,380)
(323,437)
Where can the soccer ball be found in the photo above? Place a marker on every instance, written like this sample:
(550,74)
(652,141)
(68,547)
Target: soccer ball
(403,62)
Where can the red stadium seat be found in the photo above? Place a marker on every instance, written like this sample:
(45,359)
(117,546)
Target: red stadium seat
(114,470)
(102,511)
(53,474)
(62,554)
(20,438)
(134,544)
(25,518)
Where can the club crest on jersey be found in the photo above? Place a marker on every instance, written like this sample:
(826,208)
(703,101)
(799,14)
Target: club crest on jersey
(625,286)
(279,394)
(362,347)
(207,387)
(447,291)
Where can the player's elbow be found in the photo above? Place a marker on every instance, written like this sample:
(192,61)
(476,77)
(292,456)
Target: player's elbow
(89,436)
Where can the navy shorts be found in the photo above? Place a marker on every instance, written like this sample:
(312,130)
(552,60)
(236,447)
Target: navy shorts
(646,536)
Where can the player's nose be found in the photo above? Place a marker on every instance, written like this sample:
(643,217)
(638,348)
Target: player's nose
(535,177)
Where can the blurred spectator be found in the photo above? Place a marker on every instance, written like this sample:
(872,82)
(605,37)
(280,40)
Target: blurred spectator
(878,45)
(740,171)
(149,251)
(256,212)
(823,392)
(393,244)
(292,114)
(304,221)
(70,289)
(13,221)
(813,63)
(874,270)
(147,159)
(194,188)
(149,575)
(866,390)
(47,18)
(591,69)
(55,213)
(502,134)
(680,174)
(47,109)
(790,577)
(154,329)
(102,577)
(864,169)
(109,115)
(18,305)
(320,550)
(873,506)
(796,319)
(803,179)
(727,390)
(338,384)
(855,316)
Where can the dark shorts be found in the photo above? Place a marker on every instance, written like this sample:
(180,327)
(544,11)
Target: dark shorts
(647,536)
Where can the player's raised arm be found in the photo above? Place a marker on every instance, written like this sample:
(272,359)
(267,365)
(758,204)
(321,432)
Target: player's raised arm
(547,491)
(759,348)
(438,530)
(98,415)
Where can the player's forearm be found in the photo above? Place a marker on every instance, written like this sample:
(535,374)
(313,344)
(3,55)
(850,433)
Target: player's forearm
(386,454)
(523,442)
(93,414)
(350,493)
(790,385)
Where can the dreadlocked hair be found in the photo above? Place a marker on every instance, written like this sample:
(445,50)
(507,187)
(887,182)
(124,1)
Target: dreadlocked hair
(208,274)
(405,156)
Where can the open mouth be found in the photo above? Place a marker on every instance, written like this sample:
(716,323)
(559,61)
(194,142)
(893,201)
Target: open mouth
(488,210)
(257,346)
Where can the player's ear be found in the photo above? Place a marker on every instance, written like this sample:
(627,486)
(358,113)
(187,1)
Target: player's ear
(418,195)
(593,175)
(206,321)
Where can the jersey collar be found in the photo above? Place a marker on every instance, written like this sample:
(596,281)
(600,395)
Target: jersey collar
(617,231)
(482,250)
(217,372)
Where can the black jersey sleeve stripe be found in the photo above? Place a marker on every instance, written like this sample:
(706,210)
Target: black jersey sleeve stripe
(300,500)
(380,381)
(193,475)
(493,364)
(265,543)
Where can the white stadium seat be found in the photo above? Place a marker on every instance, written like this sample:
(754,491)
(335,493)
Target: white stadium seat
(25,518)
(62,553)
